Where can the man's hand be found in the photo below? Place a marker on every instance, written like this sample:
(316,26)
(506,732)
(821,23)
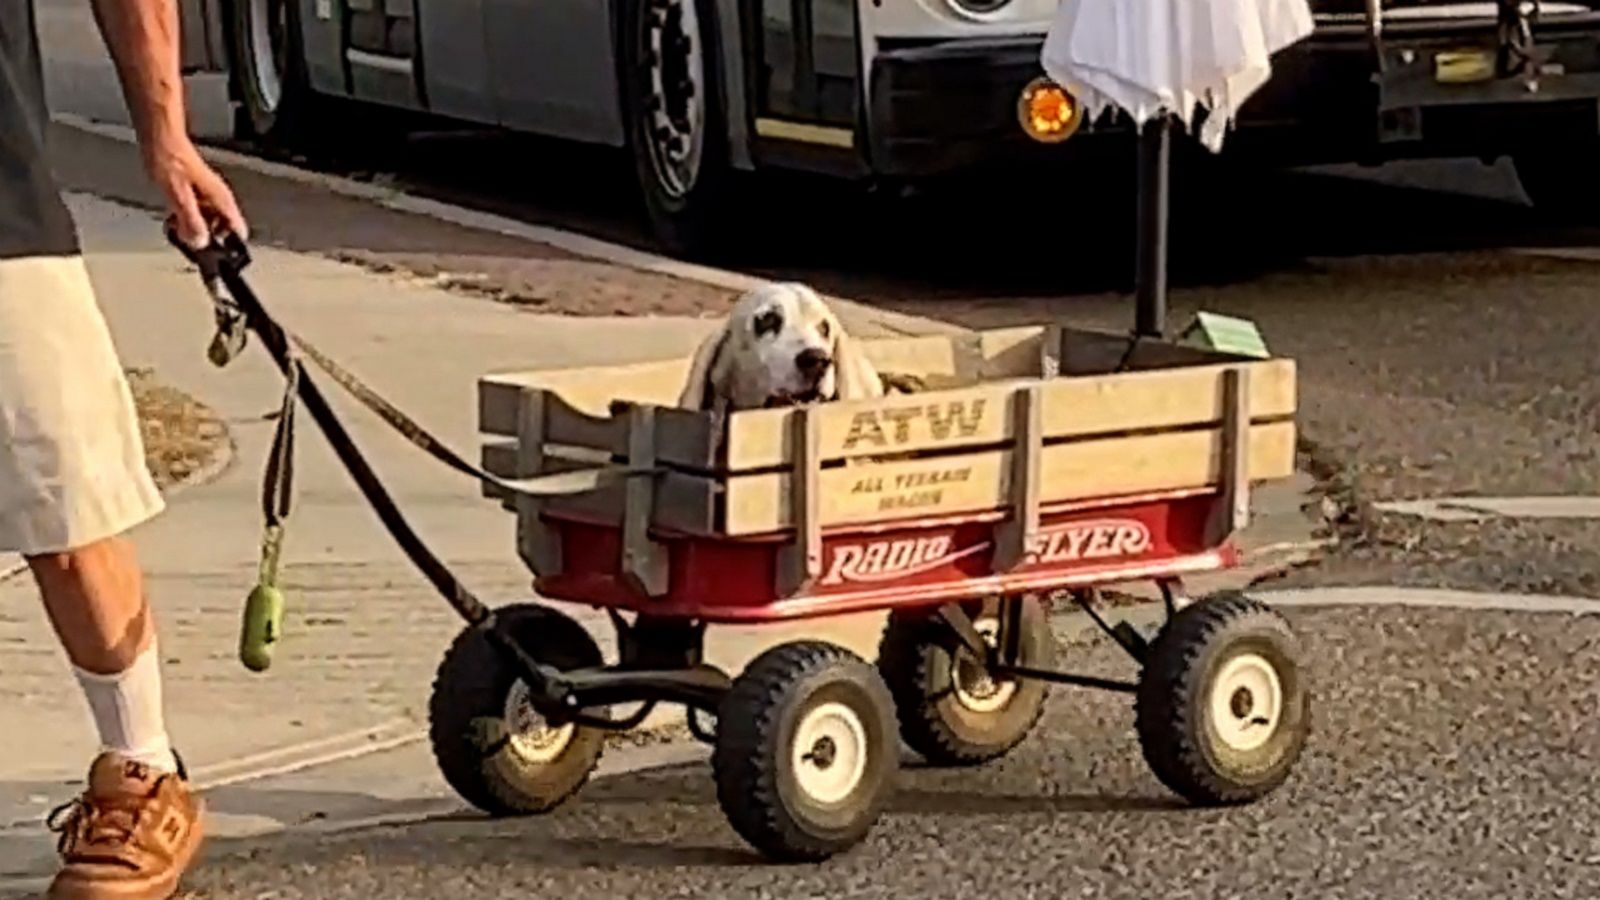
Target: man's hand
(195,193)
(142,36)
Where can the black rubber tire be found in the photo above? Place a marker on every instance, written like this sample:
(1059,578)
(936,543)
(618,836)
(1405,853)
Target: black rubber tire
(917,657)
(691,225)
(466,716)
(1173,717)
(1562,182)
(753,760)
(294,120)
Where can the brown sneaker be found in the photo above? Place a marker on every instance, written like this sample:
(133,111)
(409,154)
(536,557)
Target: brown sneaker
(129,837)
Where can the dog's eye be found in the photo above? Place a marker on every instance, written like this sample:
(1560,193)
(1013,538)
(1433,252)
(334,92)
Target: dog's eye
(768,323)
(824,330)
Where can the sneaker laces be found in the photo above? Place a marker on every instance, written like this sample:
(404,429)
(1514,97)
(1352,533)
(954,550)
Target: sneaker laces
(94,822)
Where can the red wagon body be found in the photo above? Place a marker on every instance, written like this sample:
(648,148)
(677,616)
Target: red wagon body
(906,563)
(1038,462)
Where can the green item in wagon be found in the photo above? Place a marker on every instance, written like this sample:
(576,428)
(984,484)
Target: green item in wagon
(1225,334)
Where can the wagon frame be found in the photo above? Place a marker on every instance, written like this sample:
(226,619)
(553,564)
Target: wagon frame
(1029,463)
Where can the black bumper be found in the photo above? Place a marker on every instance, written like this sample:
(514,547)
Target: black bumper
(951,106)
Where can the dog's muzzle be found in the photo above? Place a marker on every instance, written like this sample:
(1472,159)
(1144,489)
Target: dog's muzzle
(812,363)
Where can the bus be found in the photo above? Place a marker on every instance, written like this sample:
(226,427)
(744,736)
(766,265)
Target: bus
(895,91)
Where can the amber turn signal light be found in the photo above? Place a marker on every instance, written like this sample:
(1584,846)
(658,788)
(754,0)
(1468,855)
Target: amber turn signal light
(1048,112)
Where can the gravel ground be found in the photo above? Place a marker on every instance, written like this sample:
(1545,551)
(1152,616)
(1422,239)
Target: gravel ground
(1452,758)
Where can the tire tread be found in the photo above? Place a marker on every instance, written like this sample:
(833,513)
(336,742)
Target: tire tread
(1167,711)
(470,674)
(747,779)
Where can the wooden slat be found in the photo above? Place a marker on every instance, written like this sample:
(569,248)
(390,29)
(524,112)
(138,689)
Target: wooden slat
(540,544)
(570,426)
(984,355)
(686,503)
(683,437)
(1070,407)
(590,389)
(866,492)
(802,559)
(1236,448)
(500,459)
(996,353)
(1027,459)
(498,403)
(643,560)
(688,439)
(1012,352)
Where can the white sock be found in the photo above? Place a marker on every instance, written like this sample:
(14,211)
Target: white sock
(128,713)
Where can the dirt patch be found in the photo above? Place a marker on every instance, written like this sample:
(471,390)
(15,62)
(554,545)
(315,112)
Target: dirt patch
(184,440)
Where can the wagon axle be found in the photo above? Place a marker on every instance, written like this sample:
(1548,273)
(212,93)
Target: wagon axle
(570,696)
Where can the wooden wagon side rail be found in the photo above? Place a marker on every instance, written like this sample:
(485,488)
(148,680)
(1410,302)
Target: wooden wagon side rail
(933,422)
(1183,420)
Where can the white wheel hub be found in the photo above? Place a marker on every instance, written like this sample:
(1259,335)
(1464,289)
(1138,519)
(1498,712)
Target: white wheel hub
(531,737)
(1246,702)
(975,688)
(830,753)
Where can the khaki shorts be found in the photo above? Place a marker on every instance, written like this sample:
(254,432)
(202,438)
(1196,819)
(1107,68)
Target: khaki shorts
(72,467)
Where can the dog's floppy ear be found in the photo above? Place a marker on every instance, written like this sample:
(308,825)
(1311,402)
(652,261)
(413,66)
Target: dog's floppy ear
(855,376)
(701,388)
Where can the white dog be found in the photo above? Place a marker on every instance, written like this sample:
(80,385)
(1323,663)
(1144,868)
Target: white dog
(781,346)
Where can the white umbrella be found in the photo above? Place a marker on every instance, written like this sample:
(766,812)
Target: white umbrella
(1161,61)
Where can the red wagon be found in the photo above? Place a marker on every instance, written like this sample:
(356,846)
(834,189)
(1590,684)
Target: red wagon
(1030,466)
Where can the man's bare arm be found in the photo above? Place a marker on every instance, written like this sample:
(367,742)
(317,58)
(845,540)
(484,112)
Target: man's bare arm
(143,38)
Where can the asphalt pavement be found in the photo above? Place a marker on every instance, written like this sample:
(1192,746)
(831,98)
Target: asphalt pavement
(1452,757)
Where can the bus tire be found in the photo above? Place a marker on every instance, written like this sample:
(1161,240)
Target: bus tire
(275,104)
(675,121)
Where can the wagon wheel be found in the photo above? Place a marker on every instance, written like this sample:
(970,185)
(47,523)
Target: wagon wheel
(952,711)
(1223,711)
(491,746)
(805,752)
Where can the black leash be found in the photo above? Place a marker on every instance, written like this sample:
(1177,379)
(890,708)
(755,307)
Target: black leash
(239,311)
(223,262)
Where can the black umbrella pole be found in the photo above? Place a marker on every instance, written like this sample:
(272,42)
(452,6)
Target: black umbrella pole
(1150,285)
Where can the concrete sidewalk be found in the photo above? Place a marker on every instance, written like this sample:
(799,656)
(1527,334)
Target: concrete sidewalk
(342,710)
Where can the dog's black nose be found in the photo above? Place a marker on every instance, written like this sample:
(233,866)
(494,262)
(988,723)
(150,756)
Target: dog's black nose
(812,362)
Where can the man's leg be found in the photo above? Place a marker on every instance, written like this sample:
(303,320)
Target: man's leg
(72,482)
(95,599)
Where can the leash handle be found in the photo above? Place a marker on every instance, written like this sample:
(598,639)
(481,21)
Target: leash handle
(224,249)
